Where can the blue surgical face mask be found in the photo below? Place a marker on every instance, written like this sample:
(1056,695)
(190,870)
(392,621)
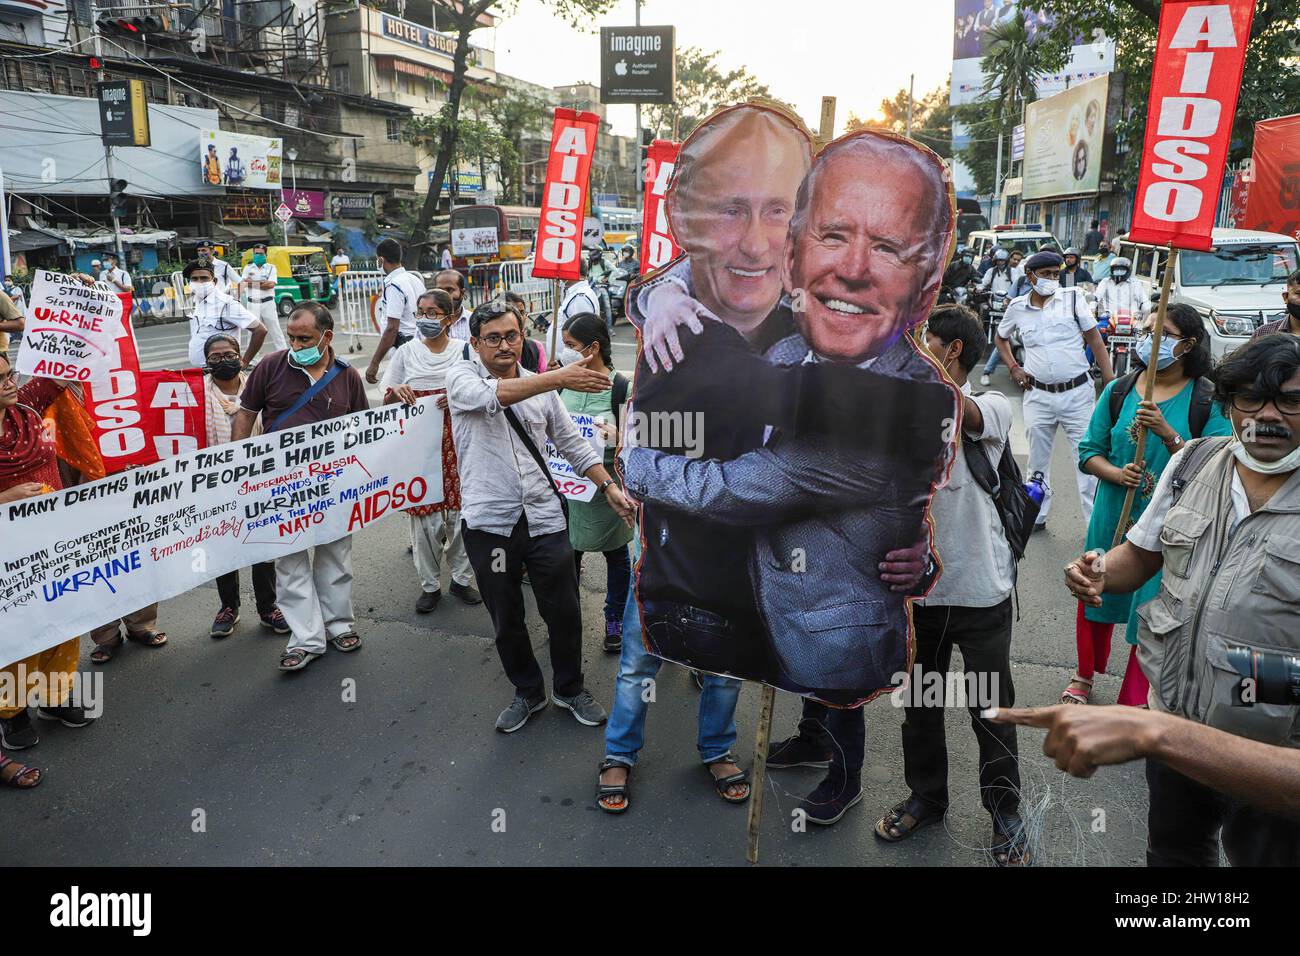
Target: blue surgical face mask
(306,357)
(1166,357)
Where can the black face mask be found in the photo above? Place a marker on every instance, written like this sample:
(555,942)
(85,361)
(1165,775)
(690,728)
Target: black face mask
(1293,310)
(226,369)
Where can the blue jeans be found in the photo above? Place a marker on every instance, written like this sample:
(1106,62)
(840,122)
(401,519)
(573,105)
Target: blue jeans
(994,360)
(618,574)
(625,732)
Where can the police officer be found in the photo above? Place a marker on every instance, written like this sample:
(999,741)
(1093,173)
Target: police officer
(223,272)
(259,279)
(1058,388)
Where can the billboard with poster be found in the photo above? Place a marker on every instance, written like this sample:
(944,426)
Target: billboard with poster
(239,160)
(1064,139)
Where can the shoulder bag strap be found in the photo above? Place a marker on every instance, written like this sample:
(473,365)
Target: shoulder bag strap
(316,388)
(537,457)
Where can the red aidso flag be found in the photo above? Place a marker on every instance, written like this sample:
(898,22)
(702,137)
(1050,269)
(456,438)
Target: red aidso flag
(1200,55)
(657,245)
(142,417)
(564,201)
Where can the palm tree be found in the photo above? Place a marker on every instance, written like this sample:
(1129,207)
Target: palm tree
(1011,70)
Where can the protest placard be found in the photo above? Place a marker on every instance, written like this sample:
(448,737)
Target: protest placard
(571,484)
(70,329)
(76,558)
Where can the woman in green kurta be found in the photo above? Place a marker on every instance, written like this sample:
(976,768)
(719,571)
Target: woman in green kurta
(1108,451)
(593,526)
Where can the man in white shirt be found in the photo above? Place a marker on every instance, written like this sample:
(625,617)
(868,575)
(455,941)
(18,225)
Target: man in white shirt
(259,279)
(968,607)
(222,271)
(579,297)
(215,311)
(402,289)
(445,261)
(1118,293)
(1059,390)
(418,367)
(502,415)
(452,282)
(114,275)
(340,262)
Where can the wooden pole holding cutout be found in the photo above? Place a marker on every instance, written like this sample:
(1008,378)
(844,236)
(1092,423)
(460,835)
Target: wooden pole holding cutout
(1157,330)
(767,700)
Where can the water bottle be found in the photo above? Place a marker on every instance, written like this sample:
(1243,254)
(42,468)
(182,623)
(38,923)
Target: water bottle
(1036,487)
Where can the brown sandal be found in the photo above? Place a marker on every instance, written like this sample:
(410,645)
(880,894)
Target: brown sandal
(20,777)
(103,653)
(894,825)
(1010,842)
(1080,696)
(148,638)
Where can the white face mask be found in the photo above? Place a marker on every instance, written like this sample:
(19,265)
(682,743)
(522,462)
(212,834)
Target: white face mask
(1289,462)
(1046,287)
(201,290)
(570,356)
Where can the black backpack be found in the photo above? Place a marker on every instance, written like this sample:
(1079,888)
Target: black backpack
(1197,415)
(1006,486)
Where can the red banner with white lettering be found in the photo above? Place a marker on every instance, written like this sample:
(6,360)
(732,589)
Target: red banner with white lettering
(1200,55)
(1273,197)
(558,252)
(658,248)
(143,417)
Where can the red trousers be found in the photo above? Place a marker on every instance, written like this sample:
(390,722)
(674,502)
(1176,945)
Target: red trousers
(1093,641)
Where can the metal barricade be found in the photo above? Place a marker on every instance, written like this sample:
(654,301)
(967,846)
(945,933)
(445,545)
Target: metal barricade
(482,283)
(517,277)
(354,307)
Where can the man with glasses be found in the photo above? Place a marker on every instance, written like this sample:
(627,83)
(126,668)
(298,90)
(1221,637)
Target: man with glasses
(1224,527)
(502,416)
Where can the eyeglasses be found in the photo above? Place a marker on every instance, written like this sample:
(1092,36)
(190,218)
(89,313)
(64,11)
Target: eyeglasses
(1288,403)
(493,339)
(427,314)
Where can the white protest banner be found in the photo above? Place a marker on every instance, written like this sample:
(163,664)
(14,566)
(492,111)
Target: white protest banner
(571,484)
(77,558)
(70,329)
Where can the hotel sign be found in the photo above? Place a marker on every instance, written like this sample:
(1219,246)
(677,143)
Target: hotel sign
(404,31)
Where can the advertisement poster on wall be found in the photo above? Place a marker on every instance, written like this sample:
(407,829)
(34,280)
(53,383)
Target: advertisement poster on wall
(1064,136)
(234,159)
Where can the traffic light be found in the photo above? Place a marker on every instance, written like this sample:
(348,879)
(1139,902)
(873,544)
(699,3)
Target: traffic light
(117,198)
(130,26)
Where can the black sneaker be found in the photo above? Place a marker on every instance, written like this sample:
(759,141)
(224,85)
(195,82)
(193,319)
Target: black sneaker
(831,800)
(466,593)
(223,625)
(428,601)
(18,732)
(797,752)
(69,715)
(517,714)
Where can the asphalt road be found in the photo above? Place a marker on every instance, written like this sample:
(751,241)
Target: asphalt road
(284,769)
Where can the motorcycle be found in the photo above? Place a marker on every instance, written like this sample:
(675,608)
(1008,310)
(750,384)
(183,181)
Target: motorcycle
(1119,340)
(619,280)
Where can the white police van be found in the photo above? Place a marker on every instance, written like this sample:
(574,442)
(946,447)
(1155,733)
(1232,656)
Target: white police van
(1028,238)
(1237,286)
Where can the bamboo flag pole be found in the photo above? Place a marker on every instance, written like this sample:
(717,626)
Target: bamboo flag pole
(552,351)
(757,778)
(1157,329)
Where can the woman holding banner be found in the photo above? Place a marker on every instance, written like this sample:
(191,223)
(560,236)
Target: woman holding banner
(29,466)
(593,525)
(1182,410)
(223,380)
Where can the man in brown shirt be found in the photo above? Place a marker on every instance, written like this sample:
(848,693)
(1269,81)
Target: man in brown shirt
(1291,322)
(315,598)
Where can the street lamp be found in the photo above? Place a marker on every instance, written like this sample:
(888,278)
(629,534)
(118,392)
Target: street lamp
(293,169)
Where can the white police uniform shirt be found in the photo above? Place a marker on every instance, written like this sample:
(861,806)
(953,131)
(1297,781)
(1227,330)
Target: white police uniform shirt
(579,298)
(217,313)
(254,273)
(118,275)
(402,289)
(224,273)
(1052,335)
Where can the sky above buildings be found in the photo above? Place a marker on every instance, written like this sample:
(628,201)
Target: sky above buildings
(860,51)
